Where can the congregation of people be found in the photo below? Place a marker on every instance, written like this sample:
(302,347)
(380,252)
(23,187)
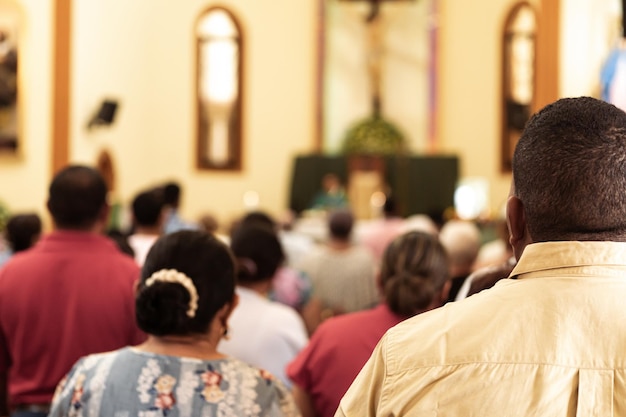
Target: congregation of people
(163,316)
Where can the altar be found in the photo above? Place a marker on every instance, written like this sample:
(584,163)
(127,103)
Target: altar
(419,184)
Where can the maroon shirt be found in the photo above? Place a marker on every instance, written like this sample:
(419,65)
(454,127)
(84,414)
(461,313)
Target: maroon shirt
(337,351)
(69,296)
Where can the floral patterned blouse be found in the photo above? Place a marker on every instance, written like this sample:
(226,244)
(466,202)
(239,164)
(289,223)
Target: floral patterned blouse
(129,383)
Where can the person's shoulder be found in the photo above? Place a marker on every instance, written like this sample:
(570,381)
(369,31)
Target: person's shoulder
(124,266)
(125,260)
(460,329)
(113,256)
(93,360)
(101,247)
(108,355)
(338,324)
(334,330)
(315,253)
(83,370)
(423,335)
(235,367)
(260,306)
(238,366)
(18,264)
(362,252)
(283,312)
(256,385)
(285,322)
(269,389)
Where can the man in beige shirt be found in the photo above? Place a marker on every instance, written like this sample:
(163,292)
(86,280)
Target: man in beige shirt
(551,340)
(343,273)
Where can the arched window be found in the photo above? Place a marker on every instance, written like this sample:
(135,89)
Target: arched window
(518,76)
(219,90)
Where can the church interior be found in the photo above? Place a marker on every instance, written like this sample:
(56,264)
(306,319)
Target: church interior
(351,162)
(444,83)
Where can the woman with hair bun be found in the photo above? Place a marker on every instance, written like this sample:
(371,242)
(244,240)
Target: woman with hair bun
(414,278)
(184,300)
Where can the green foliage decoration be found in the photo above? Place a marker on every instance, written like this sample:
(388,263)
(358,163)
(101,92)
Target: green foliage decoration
(4,216)
(373,136)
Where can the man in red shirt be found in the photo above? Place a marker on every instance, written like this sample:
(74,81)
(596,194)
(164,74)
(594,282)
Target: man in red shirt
(69,296)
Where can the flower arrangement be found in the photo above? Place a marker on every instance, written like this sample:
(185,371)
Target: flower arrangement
(373,136)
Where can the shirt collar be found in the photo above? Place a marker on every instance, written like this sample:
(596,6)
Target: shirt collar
(554,255)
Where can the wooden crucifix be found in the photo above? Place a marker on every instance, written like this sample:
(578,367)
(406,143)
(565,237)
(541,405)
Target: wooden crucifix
(375,34)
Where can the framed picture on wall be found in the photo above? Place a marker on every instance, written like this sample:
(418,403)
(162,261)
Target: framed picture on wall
(9,97)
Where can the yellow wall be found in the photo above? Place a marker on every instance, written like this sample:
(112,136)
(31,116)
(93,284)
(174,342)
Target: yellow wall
(141,53)
(469,90)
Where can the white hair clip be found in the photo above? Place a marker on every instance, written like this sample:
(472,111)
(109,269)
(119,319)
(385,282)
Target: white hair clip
(176,277)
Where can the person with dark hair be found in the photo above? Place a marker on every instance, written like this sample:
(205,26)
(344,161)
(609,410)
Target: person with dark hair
(343,272)
(551,339)
(171,194)
(148,218)
(21,232)
(173,222)
(70,295)
(413,279)
(184,300)
(258,218)
(340,224)
(77,198)
(265,333)
(289,285)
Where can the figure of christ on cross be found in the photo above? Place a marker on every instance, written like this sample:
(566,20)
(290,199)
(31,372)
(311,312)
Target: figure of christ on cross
(375,33)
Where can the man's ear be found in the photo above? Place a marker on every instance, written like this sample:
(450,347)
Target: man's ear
(516,222)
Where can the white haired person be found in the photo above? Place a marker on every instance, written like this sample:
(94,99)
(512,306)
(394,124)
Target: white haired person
(462,242)
(184,299)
